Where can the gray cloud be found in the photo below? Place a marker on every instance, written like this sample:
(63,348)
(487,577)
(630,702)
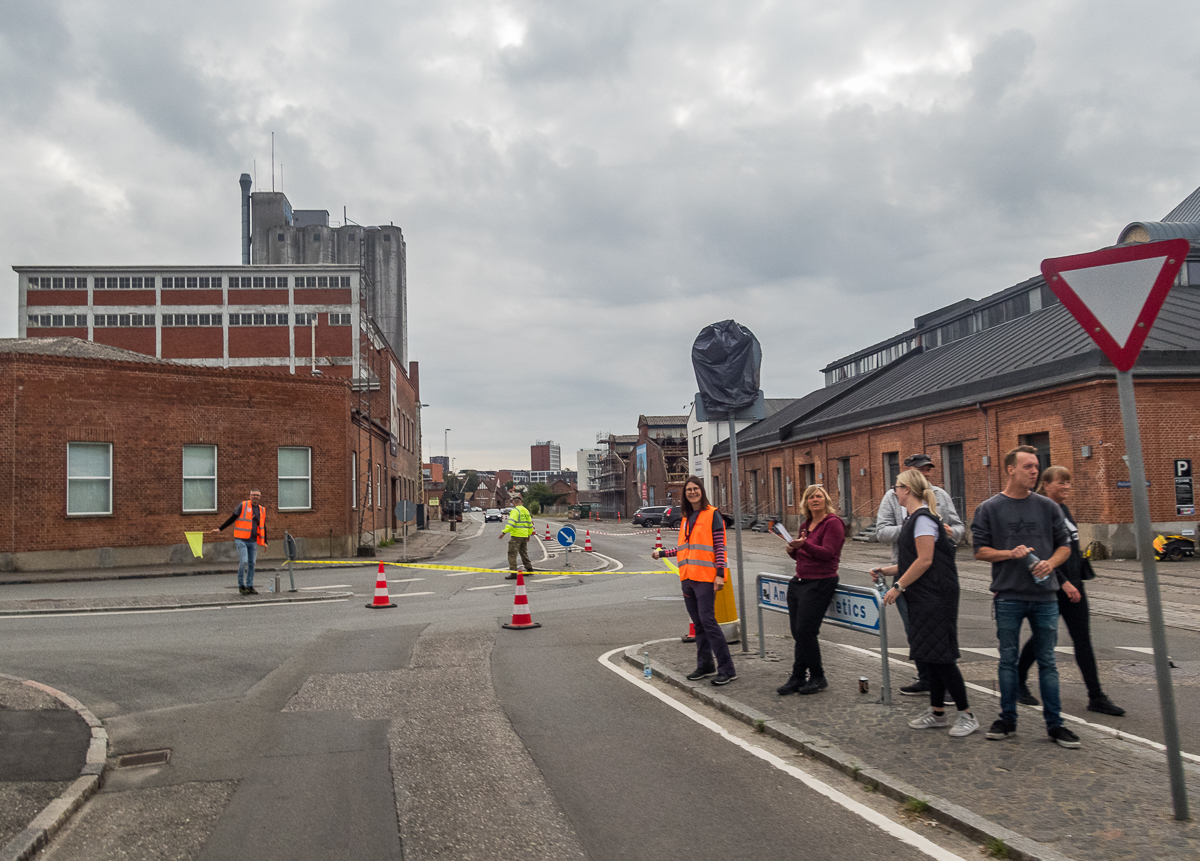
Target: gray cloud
(597,184)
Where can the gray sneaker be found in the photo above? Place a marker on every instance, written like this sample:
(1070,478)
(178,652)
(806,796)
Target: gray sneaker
(930,720)
(964,725)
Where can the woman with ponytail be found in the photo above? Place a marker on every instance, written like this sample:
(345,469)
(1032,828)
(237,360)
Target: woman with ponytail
(929,582)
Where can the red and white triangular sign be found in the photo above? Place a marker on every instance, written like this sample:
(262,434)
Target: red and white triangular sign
(1116,293)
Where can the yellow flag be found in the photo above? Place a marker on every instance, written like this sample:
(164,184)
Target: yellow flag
(196,542)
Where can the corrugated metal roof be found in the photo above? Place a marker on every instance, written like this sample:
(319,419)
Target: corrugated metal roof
(1156,231)
(75,348)
(1187,210)
(1038,350)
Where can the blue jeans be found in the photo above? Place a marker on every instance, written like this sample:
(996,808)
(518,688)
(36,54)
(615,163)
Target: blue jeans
(1043,619)
(247,549)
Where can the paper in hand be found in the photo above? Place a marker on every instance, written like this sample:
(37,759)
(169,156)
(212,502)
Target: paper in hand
(779,530)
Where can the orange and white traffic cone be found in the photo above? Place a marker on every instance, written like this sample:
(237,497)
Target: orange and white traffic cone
(521,618)
(382,599)
(548,532)
(691,634)
(587,542)
(658,540)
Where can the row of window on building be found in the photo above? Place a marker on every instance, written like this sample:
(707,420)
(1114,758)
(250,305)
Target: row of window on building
(90,479)
(261,318)
(184,282)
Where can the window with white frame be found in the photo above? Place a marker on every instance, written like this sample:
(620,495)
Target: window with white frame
(295,478)
(199,478)
(89,478)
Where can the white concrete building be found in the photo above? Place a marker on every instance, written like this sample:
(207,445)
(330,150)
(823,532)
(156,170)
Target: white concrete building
(587,464)
(703,436)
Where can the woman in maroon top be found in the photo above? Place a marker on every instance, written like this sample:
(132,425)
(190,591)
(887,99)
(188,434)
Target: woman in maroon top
(817,551)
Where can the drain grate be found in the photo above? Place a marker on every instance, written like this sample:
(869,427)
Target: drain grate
(150,757)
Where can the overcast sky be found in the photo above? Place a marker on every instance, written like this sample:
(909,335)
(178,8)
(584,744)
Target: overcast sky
(592,184)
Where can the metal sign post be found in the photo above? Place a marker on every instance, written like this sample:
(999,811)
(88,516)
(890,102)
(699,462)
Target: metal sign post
(289,548)
(1154,610)
(1115,294)
(737,527)
(566,537)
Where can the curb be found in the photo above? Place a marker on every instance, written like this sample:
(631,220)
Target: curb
(145,608)
(91,777)
(948,813)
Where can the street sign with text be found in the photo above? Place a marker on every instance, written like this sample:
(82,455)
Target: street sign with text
(1116,293)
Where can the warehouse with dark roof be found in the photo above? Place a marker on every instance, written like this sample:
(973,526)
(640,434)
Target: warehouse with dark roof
(969,382)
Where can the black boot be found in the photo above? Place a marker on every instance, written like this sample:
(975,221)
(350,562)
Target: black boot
(816,683)
(792,685)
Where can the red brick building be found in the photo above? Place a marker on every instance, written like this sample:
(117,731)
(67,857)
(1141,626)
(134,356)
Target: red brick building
(112,456)
(970,382)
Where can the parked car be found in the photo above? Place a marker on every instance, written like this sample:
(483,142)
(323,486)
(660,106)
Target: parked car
(651,515)
(672,517)
(493,514)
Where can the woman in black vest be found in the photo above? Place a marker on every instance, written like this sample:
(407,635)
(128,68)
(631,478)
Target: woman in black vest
(929,583)
(1072,604)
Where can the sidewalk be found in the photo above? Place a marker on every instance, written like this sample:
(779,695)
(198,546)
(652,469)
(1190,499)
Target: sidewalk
(1109,799)
(51,761)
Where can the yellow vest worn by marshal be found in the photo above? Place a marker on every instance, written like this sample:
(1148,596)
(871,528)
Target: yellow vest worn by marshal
(520,522)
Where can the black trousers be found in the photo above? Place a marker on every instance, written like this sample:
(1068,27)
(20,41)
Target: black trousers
(1078,626)
(943,679)
(807,602)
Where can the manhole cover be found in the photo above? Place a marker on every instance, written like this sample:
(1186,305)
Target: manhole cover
(150,757)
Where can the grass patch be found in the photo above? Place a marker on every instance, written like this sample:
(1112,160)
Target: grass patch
(760,725)
(871,786)
(917,806)
(997,848)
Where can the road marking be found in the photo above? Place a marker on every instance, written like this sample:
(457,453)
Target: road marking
(1142,649)
(1099,727)
(84,615)
(411,594)
(895,829)
(547,579)
(323,588)
(991,653)
(477,588)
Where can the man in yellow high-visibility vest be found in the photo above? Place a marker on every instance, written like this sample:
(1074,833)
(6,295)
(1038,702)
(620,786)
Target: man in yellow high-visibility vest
(519,528)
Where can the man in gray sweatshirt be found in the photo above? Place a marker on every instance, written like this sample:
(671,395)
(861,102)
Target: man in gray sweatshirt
(1012,530)
(888,522)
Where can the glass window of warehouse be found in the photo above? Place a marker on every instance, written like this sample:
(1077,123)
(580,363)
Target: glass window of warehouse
(89,478)
(295,479)
(200,478)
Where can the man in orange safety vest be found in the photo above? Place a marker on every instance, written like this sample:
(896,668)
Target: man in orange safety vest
(249,521)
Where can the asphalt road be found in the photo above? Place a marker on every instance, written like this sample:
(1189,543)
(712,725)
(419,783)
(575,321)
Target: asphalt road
(306,731)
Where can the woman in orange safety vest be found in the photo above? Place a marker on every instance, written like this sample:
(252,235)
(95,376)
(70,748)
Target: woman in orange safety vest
(702,567)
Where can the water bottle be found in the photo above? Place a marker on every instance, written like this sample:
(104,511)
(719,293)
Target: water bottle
(646,664)
(1031,562)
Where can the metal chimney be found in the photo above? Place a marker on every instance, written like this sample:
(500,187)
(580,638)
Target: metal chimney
(246,183)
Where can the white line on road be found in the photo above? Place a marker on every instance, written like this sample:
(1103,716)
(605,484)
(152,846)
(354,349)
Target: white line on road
(477,588)
(323,588)
(991,653)
(900,832)
(1099,727)
(410,594)
(85,615)
(1142,649)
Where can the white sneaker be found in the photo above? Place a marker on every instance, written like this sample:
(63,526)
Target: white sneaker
(930,720)
(964,725)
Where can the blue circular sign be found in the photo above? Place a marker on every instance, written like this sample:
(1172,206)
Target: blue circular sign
(566,536)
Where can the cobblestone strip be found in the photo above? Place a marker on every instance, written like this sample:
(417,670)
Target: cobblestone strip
(948,813)
(55,815)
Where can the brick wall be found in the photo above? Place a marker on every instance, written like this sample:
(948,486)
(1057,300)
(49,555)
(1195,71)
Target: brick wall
(1075,416)
(148,413)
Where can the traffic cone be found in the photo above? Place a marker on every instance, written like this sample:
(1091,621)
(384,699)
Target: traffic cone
(658,540)
(548,532)
(587,542)
(382,599)
(521,618)
(691,634)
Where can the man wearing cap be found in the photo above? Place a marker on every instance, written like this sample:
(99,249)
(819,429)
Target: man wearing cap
(888,521)
(519,530)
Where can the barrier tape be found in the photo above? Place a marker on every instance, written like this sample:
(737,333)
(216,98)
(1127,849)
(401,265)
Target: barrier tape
(425,567)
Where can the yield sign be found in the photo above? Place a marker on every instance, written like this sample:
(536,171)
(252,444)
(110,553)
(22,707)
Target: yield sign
(1116,293)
